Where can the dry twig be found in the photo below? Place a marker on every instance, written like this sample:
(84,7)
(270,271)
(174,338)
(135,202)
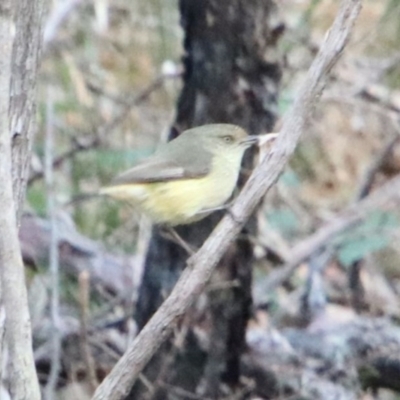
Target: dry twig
(56,18)
(367,179)
(84,291)
(53,254)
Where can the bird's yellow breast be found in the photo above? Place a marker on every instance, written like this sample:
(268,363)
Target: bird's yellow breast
(177,202)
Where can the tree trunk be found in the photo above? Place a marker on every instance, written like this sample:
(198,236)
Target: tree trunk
(232,74)
(20,41)
(25,62)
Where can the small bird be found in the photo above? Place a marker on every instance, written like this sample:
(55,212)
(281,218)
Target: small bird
(186,178)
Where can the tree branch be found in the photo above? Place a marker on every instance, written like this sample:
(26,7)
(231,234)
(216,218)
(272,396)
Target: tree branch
(201,266)
(55,367)
(355,213)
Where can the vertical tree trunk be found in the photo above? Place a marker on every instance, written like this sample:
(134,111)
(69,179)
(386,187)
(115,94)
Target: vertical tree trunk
(25,62)
(231,75)
(20,41)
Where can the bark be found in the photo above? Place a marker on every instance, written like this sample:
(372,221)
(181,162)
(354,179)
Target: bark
(25,63)
(19,42)
(231,75)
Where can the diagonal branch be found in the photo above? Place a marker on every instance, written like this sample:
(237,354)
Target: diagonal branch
(201,266)
(388,195)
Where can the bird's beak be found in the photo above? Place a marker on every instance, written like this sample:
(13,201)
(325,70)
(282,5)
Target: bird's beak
(260,140)
(249,140)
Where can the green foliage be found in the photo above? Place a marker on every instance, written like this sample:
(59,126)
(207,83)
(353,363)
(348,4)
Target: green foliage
(309,12)
(97,217)
(69,294)
(393,78)
(36,197)
(388,30)
(106,163)
(371,236)
(290,179)
(284,220)
(284,102)
(306,157)
(392,9)
(110,216)
(64,76)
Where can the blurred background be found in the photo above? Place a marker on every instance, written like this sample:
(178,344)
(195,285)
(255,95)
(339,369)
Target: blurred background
(111,78)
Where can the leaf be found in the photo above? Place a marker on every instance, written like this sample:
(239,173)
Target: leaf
(371,236)
(284,220)
(36,197)
(290,178)
(358,248)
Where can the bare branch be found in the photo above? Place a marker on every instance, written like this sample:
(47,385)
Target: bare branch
(355,213)
(367,179)
(84,292)
(201,266)
(56,18)
(53,253)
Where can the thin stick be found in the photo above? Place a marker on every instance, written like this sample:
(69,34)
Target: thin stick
(201,266)
(84,291)
(370,173)
(58,15)
(53,250)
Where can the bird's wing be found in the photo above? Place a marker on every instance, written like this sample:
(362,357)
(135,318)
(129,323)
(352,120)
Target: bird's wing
(159,170)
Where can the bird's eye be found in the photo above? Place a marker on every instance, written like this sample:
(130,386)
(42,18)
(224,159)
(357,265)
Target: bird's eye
(227,139)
